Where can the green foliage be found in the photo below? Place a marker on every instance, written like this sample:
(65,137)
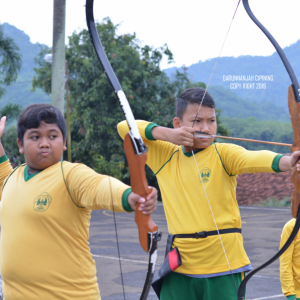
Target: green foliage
(43,79)
(10,61)
(251,128)
(274,202)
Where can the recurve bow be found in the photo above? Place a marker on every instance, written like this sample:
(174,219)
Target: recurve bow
(136,154)
(294,108)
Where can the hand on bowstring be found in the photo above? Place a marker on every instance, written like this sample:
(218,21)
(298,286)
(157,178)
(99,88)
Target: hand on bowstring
(179,136)
(148,205)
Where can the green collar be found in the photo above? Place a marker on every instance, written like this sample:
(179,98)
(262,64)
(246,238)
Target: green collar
(189,154)
(26,174)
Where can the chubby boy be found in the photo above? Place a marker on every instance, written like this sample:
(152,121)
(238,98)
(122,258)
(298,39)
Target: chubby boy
(45,212)
(197,178)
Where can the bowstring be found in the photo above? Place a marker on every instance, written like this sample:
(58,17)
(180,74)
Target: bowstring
(117,239)
(216,64)
(199,173)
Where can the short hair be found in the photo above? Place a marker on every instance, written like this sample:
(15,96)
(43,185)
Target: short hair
(191,96)
(33,115)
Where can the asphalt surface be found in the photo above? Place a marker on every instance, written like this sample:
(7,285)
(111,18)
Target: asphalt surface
(261,231)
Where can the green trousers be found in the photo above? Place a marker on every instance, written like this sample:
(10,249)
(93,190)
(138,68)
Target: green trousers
(180,287)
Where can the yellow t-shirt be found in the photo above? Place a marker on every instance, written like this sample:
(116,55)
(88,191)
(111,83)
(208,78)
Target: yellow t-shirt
(45,219)
(185,203)
(290,262)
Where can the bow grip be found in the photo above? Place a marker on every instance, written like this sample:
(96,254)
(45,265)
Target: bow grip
(139,185)
(294,109)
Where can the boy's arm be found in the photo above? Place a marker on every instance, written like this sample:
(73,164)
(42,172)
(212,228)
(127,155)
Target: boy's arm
(286,264)
(237,160)
(91,190)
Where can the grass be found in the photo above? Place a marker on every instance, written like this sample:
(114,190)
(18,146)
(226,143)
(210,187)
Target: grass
(274,202)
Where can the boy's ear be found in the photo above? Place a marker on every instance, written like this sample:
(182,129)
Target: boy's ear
(65,147)
(176,122)
(21,148)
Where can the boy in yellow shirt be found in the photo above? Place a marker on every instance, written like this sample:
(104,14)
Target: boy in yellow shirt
(290,264)
(197,179)
(45,212)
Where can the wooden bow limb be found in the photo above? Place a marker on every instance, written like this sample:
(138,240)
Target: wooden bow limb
(294,108)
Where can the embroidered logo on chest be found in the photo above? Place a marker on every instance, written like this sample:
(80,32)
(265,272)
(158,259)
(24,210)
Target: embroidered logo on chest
(205,174)
(42,202)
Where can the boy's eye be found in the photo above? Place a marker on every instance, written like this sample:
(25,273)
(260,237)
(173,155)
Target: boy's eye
(35,137)
(53,136)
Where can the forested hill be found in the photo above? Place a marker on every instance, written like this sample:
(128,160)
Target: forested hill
(235,104)
(19,92)
(275,91)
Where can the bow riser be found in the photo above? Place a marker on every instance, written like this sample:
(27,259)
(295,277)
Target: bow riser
(139,185)
(294,109)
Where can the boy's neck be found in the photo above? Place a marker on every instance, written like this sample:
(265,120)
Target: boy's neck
(189,149)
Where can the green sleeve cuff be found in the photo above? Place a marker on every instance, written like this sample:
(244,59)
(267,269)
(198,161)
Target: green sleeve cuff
(275,164)
(3,159)
(125,204)
(148,132)
(292,297)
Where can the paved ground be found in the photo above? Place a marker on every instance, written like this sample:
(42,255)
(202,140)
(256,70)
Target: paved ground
(261,230)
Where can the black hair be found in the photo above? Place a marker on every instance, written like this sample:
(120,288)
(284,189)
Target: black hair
(191,96)
(33,115)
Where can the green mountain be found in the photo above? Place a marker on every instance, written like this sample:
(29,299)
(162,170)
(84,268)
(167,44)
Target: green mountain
(236,107)
(272,89)
(19,92)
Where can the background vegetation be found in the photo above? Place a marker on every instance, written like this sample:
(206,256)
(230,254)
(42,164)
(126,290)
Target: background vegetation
(151,92)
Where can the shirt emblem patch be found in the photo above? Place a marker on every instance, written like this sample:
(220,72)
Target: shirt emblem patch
(205,174)
(42,202)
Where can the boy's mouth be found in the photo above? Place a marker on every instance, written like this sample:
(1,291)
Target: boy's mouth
(45,153)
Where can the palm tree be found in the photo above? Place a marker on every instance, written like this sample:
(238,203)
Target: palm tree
(10,61)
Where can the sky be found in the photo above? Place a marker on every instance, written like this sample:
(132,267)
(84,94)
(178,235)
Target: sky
(194,30)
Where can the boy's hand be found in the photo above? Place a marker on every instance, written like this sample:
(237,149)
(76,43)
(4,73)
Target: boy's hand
(2,126)
(183,136)
(295,160)
(148,205)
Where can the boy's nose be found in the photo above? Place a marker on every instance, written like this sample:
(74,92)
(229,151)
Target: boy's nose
(44,143)
(204,128)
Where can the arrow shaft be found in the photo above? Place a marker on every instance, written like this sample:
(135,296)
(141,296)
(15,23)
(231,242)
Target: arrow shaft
(252,141)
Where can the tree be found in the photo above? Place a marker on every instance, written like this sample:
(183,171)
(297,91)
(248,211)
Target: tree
(9,138)
(10,61)
(95,111)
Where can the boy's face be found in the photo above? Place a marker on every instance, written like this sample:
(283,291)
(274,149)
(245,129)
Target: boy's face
(42,146)
(206,122)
